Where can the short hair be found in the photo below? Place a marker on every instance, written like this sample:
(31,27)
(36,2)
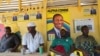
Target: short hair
(84,27)
(57,15)
(8,28)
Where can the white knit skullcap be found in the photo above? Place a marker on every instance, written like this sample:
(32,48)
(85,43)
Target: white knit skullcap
(31,24)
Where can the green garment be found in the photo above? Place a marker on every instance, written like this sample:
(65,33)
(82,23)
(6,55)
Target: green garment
(66,43)
(87,43)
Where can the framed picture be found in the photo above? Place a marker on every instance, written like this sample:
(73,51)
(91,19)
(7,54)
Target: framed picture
(26,16)
(78,23)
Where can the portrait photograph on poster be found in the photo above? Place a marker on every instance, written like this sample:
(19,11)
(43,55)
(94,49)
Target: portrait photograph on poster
(93,11)
(89,10)
(38,15)
(14,18)
(26,16)
(53,26)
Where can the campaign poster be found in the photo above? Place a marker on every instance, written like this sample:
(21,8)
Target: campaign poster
(50,23)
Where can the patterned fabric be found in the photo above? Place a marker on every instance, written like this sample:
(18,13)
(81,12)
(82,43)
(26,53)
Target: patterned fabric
(87,43)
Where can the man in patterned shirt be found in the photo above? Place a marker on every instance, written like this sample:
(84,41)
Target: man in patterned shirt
(86,42)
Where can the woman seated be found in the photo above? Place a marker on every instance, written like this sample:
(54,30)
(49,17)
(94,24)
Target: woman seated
(64,45)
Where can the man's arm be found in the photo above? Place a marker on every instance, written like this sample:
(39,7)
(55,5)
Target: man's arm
(94,41)
(77,42)
(24,42)
(2,39)
(85,53)
(42,44)
(41,40)
(72,48)
(52,49)
(25,46)
(17,43)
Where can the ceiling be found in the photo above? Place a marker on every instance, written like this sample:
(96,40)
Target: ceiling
(12,5)
(70,2)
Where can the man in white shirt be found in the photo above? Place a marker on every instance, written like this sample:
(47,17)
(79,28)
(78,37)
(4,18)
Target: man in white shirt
(32,39)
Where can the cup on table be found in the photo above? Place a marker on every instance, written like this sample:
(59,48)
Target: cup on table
(41,50)
(23,51)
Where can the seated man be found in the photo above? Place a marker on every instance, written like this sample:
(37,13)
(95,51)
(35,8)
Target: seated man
(62,46)
(85,42)
(32,39)
(9,41)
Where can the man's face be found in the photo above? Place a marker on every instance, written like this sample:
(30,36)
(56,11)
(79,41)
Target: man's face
(58,22)
(85,31)
(31,29)
(8,31)
(63,33)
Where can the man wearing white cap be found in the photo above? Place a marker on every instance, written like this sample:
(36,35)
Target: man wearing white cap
(32,39)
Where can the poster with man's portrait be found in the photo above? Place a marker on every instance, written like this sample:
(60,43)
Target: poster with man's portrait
(64,18)
(93,11)
(26,16)
(14,18)
(38,15)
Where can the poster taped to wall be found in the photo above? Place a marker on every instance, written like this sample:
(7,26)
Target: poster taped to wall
(89,10)
(51,24)
(81,22)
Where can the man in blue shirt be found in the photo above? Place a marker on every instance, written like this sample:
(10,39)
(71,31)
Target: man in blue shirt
(9,41)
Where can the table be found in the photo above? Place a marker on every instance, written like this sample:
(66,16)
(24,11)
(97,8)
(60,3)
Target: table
(19,54)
